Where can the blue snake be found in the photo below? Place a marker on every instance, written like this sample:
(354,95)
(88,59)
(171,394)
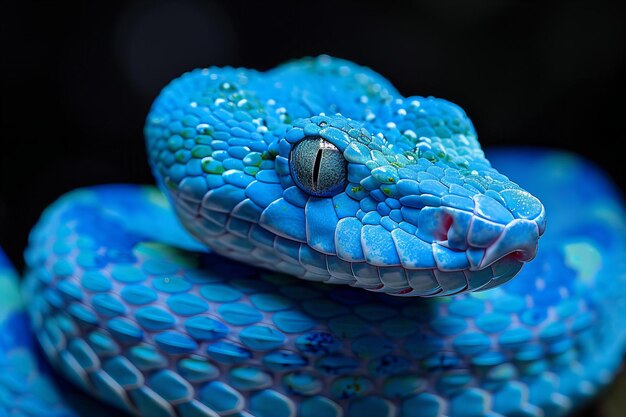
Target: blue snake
(321,246)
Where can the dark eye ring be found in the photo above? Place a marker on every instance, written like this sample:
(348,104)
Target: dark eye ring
(318,167)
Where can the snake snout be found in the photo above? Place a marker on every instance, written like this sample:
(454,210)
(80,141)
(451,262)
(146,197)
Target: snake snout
(520,220)
(518,240)
(478,236)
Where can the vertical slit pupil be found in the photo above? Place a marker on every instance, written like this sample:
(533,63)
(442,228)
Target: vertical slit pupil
(316,167)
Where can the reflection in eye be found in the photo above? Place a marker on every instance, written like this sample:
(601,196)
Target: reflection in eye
(318,167)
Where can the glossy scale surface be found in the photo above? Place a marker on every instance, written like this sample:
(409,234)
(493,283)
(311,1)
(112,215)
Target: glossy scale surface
(135,311)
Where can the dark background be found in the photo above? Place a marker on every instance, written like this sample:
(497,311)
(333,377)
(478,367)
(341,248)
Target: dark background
(78,79)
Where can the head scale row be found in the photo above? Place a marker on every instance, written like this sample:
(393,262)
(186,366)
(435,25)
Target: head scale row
(320,169)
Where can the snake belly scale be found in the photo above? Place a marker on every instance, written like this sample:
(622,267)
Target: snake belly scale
(342,251)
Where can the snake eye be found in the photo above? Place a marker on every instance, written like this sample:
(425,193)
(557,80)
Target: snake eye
(318,167)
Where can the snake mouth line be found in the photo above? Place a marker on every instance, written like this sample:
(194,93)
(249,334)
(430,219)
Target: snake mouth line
(520,256)
(435,283)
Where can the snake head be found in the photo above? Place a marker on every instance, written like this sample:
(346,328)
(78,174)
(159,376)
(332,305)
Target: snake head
(395,195)
(429,209)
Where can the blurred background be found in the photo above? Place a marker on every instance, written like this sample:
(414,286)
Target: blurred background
(78,79)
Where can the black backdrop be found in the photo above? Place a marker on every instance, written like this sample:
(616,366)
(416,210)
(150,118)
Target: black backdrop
(77,80)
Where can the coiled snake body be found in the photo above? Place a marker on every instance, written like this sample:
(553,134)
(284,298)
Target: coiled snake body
(320,171)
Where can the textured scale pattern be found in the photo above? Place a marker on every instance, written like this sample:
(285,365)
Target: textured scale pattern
(135,311)
(25,385)
(163,332)
(423,212)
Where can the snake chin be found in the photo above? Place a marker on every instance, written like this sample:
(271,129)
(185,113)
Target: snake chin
(506,268)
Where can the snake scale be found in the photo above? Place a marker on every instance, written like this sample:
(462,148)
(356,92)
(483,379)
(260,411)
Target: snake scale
(322,246)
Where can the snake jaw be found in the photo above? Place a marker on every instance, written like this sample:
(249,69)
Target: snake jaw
(463,240)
